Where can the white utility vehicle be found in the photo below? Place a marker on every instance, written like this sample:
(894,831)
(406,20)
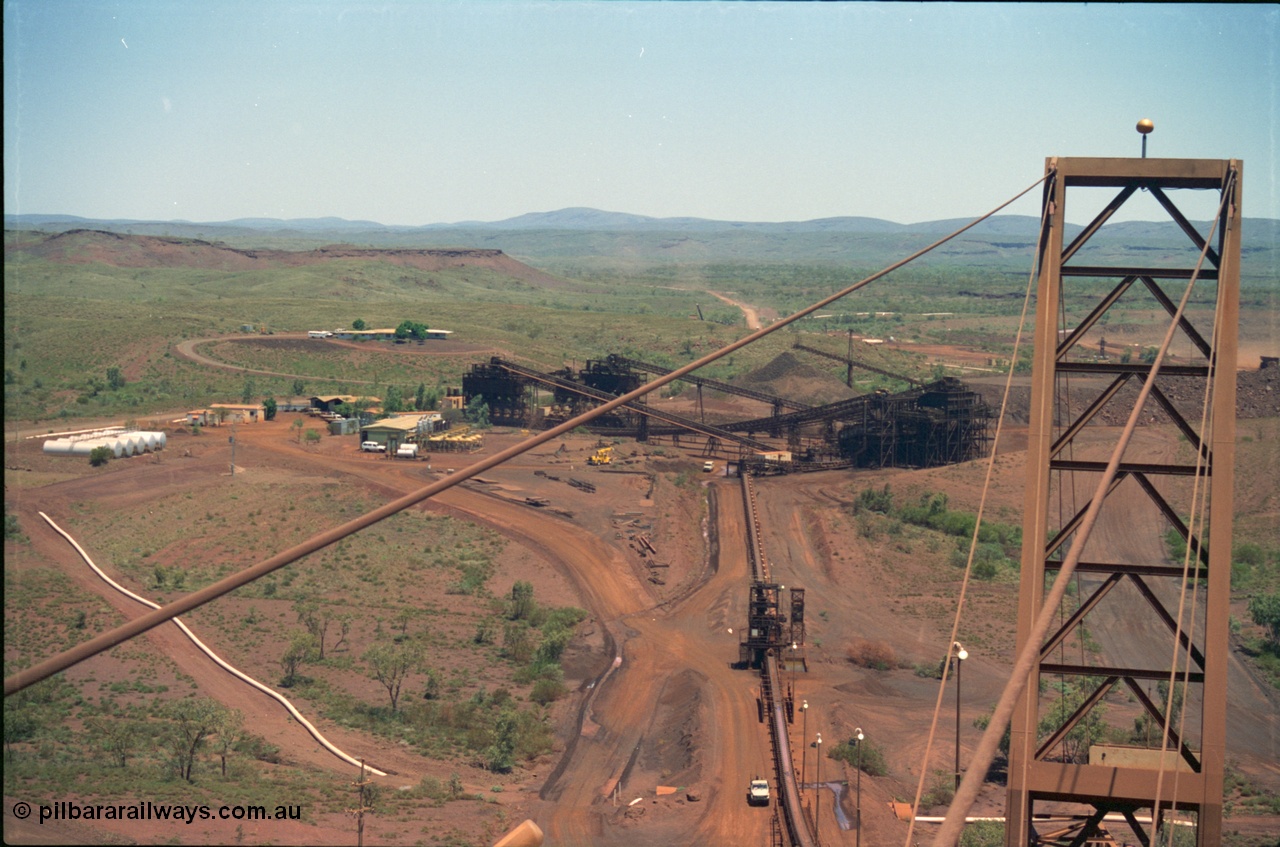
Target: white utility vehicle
(758,793)
(373,447)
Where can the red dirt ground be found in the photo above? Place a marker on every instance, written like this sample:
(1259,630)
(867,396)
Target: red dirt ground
(672,711)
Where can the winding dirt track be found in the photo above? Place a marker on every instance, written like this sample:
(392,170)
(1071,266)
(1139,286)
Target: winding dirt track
(674,655)
(679,652)
(188,350)
(749,312)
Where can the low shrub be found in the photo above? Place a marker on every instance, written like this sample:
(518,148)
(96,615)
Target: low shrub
(877,655)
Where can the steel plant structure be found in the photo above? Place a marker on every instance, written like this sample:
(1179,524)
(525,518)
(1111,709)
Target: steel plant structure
(1188,778)
(940,423)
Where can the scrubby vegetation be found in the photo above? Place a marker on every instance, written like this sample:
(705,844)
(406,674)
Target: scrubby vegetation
(999,545)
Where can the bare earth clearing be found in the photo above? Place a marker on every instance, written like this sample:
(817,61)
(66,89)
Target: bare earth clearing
(655,700)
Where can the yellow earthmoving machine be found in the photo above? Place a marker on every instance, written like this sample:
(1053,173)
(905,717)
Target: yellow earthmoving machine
(602,456)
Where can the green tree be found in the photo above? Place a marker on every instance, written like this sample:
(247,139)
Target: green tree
(269,408)
(316,619)
(1265,611)
(477,412)
(99,456)
(393,401)
(120,737)
(871,757)
(500,757)
(299,388)
(25,714)
(1075,744)
(870,500)
(391,664)
(115,379)
(432,689)
(344,629)
(517,642)
(247,392)
(313,436)
(228,732)
(298,424)
(522,602)
(12,530)
(411,329)
(302,648)
(358,324)
(193,720)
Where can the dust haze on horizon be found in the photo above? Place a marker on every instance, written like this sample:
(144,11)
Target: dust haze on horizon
(420,113)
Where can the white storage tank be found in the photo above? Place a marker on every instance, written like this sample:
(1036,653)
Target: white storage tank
(58,446)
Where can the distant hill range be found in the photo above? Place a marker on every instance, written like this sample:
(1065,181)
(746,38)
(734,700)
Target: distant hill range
(566,235)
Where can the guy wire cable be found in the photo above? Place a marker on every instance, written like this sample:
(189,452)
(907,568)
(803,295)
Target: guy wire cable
(973,542)
(1199,507)
(949,833)
(109,639)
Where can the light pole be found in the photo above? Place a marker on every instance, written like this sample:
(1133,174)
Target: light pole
(817,797)
(804,745)
(961,655)
(857,838)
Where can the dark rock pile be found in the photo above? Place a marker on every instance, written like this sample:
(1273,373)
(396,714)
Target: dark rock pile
(1257,396)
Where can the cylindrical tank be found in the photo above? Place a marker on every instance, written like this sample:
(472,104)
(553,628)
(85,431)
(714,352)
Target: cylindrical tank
(58,446)
(82,448)
(120,446)
(161,440)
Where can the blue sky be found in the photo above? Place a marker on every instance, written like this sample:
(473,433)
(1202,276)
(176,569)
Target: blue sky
(427,112)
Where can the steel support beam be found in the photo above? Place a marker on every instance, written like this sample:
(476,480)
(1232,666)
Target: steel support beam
(1058,434)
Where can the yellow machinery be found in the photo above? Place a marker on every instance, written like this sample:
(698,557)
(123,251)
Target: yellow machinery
(602,456)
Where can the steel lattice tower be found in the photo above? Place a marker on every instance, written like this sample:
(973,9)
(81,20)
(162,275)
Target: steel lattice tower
(1065,444)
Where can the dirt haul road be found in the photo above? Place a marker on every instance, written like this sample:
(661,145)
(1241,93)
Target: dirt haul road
(673,711)
(673,705)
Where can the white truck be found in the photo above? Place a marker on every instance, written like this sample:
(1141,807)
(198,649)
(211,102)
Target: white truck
(758,793)
(373,447)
